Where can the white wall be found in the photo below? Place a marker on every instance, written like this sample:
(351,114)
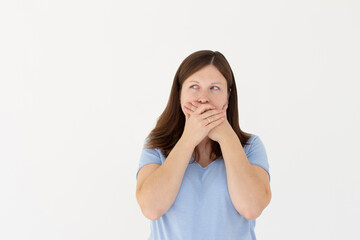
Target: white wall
(83,82)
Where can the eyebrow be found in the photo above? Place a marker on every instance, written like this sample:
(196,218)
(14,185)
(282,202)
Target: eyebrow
(211,83)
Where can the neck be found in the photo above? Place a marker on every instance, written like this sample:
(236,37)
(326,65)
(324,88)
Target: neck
(204,148)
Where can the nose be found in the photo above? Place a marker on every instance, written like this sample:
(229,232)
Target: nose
(203,98)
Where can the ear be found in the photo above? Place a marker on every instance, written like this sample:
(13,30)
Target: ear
(229,94)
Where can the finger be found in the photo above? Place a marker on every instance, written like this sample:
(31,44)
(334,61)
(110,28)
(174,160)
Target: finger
(197,104)
(211,113)
(214,117)
(204,107)
(213,124)
(188,109)
(187,115)
(190,106)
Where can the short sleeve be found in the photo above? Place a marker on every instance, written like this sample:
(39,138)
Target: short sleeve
(148,156)
(257,154)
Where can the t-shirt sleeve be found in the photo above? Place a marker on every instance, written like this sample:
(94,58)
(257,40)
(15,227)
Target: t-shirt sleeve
(148,156)
(257,154)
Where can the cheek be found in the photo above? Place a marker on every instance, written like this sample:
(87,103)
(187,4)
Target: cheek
(185,99)
(219,102)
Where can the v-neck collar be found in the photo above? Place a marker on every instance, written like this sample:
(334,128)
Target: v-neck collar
(212,163)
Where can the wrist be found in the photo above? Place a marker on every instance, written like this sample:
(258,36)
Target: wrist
(187,143)
(228,136)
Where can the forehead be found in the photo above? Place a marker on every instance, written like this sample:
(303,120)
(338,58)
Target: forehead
(207,75)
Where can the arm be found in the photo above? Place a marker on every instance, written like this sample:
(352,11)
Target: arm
(247,190)
(159,190)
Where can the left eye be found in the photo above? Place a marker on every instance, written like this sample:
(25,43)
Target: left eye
(196,85)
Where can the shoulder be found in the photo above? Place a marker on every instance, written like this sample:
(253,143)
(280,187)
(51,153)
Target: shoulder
(253,140)
(152,153)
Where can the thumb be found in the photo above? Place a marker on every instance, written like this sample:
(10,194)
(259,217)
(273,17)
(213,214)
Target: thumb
(186,115)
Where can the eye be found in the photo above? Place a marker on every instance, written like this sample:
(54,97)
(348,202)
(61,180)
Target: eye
(212,87)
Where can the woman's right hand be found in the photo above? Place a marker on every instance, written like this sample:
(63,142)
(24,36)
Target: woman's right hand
(197,126)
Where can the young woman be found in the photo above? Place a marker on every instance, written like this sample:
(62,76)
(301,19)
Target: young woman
(200,176)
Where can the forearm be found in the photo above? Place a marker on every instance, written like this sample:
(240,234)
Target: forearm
(246,190)
(160,189)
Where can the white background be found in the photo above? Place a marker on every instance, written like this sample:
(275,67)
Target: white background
(82,83)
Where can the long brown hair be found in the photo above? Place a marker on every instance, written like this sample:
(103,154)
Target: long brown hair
(170,125)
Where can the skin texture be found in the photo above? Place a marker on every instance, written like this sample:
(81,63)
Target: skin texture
(248,184)
(205,87)
(158,185)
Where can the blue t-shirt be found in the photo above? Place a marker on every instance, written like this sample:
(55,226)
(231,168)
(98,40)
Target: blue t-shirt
(203,208)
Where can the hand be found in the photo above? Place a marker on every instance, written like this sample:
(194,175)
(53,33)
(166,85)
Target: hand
(200,121)
(219,130)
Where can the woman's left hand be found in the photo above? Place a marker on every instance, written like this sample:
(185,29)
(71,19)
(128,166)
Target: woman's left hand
(218,132)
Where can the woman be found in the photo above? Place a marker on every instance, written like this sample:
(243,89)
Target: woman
(200,176)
